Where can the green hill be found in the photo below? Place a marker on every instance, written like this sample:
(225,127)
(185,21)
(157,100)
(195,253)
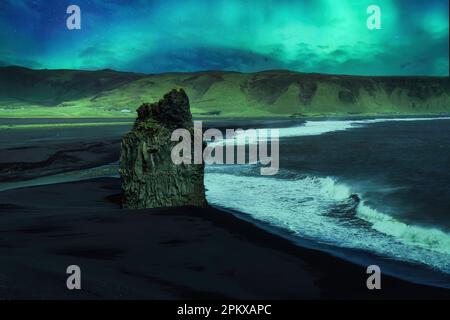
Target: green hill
(107,93)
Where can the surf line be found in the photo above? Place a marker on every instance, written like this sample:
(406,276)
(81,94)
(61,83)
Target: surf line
(216,142)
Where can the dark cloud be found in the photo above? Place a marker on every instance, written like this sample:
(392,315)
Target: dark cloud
(204,58)
(95,51)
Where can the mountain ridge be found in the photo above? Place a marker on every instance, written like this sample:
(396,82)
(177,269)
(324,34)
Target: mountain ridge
(107,93)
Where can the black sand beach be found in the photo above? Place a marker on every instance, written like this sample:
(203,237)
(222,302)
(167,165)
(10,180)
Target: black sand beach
(186,253)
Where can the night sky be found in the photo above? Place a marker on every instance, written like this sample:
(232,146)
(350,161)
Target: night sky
(326,36)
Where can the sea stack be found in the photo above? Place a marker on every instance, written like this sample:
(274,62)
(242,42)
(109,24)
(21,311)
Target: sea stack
(149,177)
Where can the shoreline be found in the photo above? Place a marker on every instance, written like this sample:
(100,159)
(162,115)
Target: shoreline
(176,253)
(204,253)
(61,123)
(331,262)
(357,257)
(231,118)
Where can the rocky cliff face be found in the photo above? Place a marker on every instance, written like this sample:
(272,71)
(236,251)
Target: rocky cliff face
(149,177)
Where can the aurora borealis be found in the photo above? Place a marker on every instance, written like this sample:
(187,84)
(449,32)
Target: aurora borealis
(326,36)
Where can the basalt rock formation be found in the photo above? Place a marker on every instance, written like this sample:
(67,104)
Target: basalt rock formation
(149,177)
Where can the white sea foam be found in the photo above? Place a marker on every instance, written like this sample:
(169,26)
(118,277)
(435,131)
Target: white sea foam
(428,238)
(313,127)
(306,207)
(318,127)
(302,206)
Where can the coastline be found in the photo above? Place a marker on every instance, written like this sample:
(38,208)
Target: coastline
(269,117)
(402,270)
(162,253)
(22,123)
(167,253)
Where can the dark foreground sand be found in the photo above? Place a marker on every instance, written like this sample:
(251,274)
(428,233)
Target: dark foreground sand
(187,253)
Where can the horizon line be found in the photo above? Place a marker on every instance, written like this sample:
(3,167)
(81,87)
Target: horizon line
(224,71)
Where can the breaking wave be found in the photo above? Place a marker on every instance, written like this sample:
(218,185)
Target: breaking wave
(324,210)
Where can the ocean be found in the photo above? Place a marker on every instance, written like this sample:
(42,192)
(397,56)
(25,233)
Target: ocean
(373,191)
